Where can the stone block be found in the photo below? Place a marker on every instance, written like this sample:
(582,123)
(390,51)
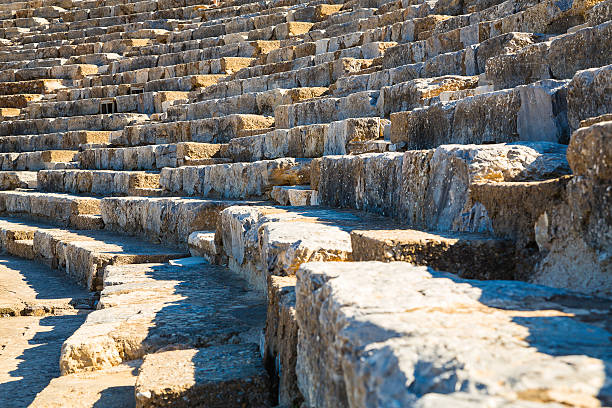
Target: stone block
(414,331)
(588,95)
(221,376)
(471,256)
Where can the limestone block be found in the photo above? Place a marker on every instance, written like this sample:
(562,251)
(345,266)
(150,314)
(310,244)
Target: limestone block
(589,95)
(560,58)
(294,195)
(471,256)
(202,244)
(161,219)
(416,331)
(235,180)
(290,29)
(220,376)
(430,188)
(527,113)
(341,133)
(281,338)
(58,208)
(406,96)
(264,241)
(11,180)
(153,306)
(574,236)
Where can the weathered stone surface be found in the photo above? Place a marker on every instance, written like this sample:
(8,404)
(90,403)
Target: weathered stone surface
(289,101)
(299,141)
(52,141)
(235,180)
(62,209)
(262,241)
(168,220)
(470,256)
(33,161)
(145,308)
(30,289)
(559,58)
(212,130)
(11,180)
(536,112)
(219,376)
(588,95)
(97,182)
(48,308)
(422,336)
(84,255)
(430,188)
(511,208)
(406,96)
(202,244)
(280,348)
(590,151)
(295,195)
(575,237)
(112,387)
(342,134)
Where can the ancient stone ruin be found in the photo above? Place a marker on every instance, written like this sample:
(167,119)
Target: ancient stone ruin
(306,203)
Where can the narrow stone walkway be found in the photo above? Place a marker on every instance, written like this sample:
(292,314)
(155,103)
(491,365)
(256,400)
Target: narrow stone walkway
(41,308)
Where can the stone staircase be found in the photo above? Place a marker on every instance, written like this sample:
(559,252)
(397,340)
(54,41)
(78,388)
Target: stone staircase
(300,203)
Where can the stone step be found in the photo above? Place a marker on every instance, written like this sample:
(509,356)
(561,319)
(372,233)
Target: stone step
(153,157)
(33,161)
(96,182)
(202,244)
(258,103)
(83,255)
(66,72)
(113,387)
(11,180)
(274,241)
(222,376)
(555,22)
(215,52)
(210,130)
(147,103)
(109,122)
(32,289)
(403,96)
(295,195)
(430,189)
(564,253)
(71,50)
(307,141)
(587,96)
(185,83)
(59,209)
(328,109)
(382,309)
(143,75)
(235,180)
(541,61)
(306,74)
(158,306)
(525,113)
(471,256)
(18,101)
(163,219)
(70,140)
(31,347)
(39,86)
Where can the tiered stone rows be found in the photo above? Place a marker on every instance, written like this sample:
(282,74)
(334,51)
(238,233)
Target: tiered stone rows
(366,203)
